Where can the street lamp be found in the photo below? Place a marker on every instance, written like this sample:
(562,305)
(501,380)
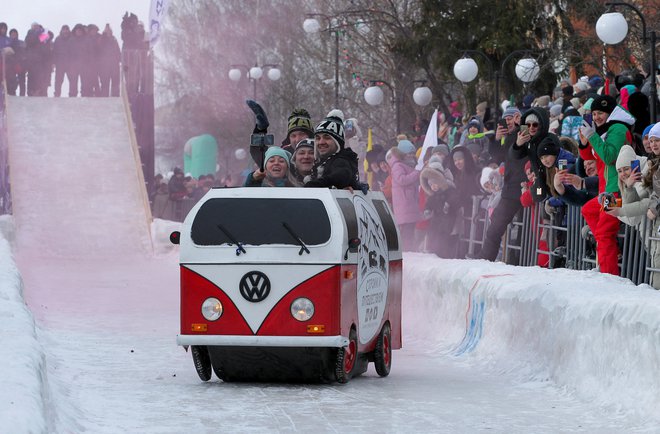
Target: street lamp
(466,70)
(612,28)
(254,73)
(312,25)
(373,95)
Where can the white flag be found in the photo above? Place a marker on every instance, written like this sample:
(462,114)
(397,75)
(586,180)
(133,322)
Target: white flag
(430,140)
(156,18)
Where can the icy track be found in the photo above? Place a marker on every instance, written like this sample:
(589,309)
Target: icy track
(487,347)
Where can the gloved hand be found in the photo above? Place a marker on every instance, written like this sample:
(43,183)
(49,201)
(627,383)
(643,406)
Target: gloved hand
(261,125)
(586,129)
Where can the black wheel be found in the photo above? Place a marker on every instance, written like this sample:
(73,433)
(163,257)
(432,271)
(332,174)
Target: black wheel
(346,358)
(202,361)
(383,351)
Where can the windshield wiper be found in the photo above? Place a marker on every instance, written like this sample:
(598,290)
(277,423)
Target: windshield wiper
(303,247)
(239,247)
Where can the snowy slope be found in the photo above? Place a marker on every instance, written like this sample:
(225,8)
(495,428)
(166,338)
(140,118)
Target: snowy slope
(74,176)
(486,347)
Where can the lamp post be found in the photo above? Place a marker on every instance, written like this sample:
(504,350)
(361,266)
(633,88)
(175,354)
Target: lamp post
(466,70)
(373,95)
(312,25)
(612,28)
(254,73)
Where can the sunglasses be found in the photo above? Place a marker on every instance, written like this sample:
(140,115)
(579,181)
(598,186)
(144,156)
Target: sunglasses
(533,124)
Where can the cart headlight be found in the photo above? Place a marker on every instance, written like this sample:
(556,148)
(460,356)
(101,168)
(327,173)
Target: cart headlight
(302,309)
(212,309)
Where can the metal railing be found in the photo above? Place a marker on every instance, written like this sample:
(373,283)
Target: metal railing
(567,241)
(5,186)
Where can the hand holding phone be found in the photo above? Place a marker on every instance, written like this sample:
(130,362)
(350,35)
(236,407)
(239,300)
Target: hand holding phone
(562,164)
(634,165)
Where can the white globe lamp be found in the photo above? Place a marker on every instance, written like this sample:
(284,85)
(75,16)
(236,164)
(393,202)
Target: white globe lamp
(256,72)
(373,95)
(527,70)
(234,74)
(466,69)
(422,96)
(240,154)
(274,74)
(311,25)
(612,28)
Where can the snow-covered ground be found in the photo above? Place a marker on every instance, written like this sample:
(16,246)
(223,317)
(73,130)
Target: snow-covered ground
(486,347)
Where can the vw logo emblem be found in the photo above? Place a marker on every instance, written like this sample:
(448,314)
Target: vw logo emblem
(254,286)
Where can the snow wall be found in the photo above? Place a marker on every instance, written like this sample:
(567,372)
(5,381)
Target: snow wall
(595,335)
(24,390)
(592,334)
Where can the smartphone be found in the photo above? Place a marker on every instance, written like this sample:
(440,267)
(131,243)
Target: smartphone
(634,164)
(562,164)
(587,117)
(502,123)
(523,129)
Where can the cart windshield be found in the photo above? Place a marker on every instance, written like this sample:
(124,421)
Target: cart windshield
(258,221)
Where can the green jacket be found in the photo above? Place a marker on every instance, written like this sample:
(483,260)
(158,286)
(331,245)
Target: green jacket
(607,148)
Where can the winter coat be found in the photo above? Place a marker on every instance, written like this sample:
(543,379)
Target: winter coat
(634,200)
(539,190)
(514,168)
(466,180)
(339,170)
(604,147)
(405,191)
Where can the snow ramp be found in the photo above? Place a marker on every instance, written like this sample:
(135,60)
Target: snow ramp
(76,178)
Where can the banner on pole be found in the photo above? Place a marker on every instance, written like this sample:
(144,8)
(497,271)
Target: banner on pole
(430,140)
(156,17)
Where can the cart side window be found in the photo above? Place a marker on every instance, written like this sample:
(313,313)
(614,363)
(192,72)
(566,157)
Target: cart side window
(388,224)
(258,221)
(348,210)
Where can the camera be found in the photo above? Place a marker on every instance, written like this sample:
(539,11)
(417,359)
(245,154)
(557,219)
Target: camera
(262,140)
(609,200)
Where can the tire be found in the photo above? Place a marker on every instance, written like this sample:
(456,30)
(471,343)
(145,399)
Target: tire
(202,361)
(346,359)
(383,351)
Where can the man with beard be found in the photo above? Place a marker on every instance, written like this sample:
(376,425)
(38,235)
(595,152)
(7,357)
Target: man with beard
(335,165)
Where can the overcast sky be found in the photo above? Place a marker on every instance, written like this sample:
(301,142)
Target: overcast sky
(52,14)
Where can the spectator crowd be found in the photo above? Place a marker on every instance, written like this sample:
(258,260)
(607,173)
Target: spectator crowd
(590,145)
(87,58)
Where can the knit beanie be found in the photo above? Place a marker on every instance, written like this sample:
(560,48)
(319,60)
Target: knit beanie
(532,118)
(655,131)
(549,146)
(603,103)
(406,147)
(647,130)
(333,124)
(510,111)
(276,151)
(555,110)
(626,155)
(304,143)
(299,120)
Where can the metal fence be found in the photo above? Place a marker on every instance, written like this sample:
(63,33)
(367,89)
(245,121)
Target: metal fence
(5,191)
(569,241)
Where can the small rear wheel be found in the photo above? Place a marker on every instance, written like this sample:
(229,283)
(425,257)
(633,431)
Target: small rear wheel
(202,361)
(383,351)
(346,358)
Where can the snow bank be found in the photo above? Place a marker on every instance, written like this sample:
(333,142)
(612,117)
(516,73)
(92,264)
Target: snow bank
(23,387)
(595,335)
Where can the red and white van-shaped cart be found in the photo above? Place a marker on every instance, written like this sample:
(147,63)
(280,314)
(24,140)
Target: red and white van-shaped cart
(290,284)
